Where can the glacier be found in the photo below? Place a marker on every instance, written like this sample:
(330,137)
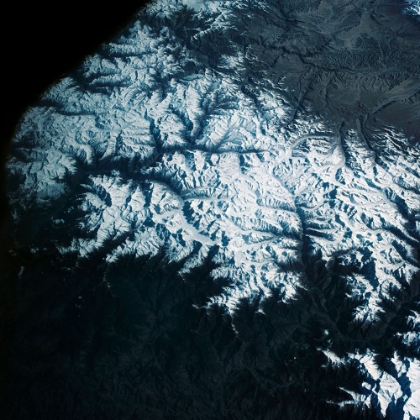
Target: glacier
(256,136)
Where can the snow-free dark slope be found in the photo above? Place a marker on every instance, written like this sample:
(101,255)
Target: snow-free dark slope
(218,215)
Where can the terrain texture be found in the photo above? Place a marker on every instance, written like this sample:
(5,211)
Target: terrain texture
(217,215)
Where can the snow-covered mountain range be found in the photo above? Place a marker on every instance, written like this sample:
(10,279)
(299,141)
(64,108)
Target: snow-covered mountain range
(257,135)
